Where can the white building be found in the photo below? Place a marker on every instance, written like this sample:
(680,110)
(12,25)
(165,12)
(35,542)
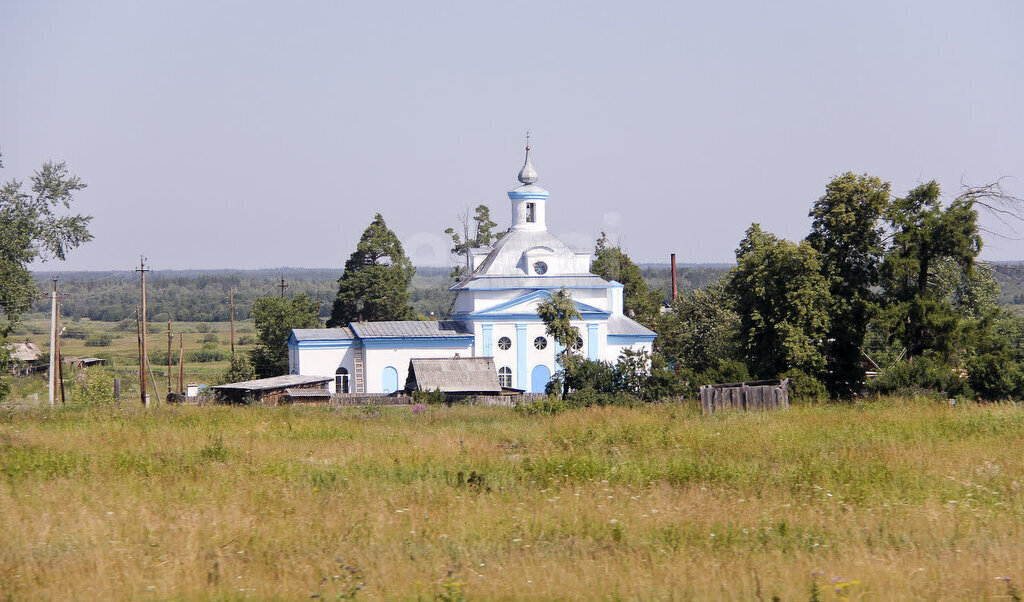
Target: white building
(495,314)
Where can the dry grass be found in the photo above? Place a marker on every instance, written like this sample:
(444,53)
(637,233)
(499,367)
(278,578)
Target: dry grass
(897,499)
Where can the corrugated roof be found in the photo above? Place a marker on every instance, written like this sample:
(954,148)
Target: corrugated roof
(506,254)
(455,375)
(440,329)
(275,382)
(322,334)
(621,325)
(308,393)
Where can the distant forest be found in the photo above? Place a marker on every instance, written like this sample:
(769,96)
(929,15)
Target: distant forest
(202,295)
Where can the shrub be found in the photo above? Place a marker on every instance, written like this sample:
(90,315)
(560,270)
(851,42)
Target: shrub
(247,339)
(239,370)
(202,327)
(92,386)
(920,375)
(434,397)
(803,386)
(211,338)
(201,356)
(76,331)
(99,339)
(549,405)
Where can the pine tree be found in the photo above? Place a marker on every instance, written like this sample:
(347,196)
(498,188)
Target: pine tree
(375,284)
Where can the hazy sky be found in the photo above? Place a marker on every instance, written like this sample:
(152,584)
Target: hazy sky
(253,134)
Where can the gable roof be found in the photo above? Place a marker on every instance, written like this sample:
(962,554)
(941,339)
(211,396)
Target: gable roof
(541,295)
(322,334)
(24,351)
(417,329)
(454,375)
(275,382)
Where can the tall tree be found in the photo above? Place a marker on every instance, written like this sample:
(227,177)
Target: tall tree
(33,226)
(274,318)
(783,302)
(557,313)
(483,234)
(847,232)
(924,237)
(700,331)
(375,284)
(612,263)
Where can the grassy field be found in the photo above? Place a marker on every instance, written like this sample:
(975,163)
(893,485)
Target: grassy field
(886,500)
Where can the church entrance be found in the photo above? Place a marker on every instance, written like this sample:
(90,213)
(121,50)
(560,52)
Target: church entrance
(539,378)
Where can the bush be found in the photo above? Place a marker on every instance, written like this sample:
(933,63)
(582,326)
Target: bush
(435,397)
(201,356)
(922,374)
(247,339)
(92,386)
(211,338)
(239,370)
(804,387)
(76,331)
(99,339)
(202,327)
(549,406)
(995,376)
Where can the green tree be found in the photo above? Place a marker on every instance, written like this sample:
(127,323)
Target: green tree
(847,232)
(375,284)
(924,236)
(612,263)
(701,329)
(557,313)
(274,320)
(484,235)
(33,226)
(783,302)
(239,370)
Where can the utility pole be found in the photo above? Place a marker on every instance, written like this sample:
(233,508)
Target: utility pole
(144,355)
(142,365)
(60,361)
(53,341)
(169,337)
(282,286)
(233,321)
(181,362)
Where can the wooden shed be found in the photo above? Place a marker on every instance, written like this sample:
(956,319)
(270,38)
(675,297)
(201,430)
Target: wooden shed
(270,391)
(751,395)
(456,377)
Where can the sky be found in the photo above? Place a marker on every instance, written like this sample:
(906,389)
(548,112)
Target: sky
(267,134)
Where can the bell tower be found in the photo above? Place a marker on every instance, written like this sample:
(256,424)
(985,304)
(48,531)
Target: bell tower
(528,200)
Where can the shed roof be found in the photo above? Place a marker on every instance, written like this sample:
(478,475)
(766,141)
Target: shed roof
(315,393)
(455,375)
(274,382)
(24,351)
(439,329)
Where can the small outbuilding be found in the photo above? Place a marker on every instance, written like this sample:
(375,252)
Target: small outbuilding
(26,358)
(456,377)
(270,391)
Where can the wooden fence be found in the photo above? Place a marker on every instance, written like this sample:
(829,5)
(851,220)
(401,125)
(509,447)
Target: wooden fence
(755,395)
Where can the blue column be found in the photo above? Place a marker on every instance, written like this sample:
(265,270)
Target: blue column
(592,341)
(522,378)
(488,335)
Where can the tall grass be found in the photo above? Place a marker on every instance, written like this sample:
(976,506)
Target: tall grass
(892,499)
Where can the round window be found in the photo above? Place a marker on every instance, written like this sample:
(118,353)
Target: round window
(504,343)
(541,268)
(578,344)
(540,342)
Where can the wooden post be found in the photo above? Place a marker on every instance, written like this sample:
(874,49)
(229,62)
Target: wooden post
(144,359)
(117,389)
(181,362)
(169,363)
(53,343)
(233,317)
(142,365)
(674,289)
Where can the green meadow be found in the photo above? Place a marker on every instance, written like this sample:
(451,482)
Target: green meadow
(882,500)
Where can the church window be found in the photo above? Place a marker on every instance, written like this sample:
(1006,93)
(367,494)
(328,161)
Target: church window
(540,342)
(540,267)
(505,377)
(504,343)
(578,344)
(341,381)
(531,212)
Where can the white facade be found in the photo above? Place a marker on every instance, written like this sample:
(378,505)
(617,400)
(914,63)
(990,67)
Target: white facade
(495,308)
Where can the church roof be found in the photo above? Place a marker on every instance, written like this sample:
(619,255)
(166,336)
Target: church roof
(506,257)
(439,329)
(322,334)
(620,325)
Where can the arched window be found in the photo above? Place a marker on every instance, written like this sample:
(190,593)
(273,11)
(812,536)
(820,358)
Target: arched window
(389,380)
(341,381)
(504,343)
(505,377)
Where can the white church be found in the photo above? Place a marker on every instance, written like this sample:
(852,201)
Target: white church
(494,315)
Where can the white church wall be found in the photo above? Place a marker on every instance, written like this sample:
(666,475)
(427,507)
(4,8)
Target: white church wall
(323,361)
(379,358)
